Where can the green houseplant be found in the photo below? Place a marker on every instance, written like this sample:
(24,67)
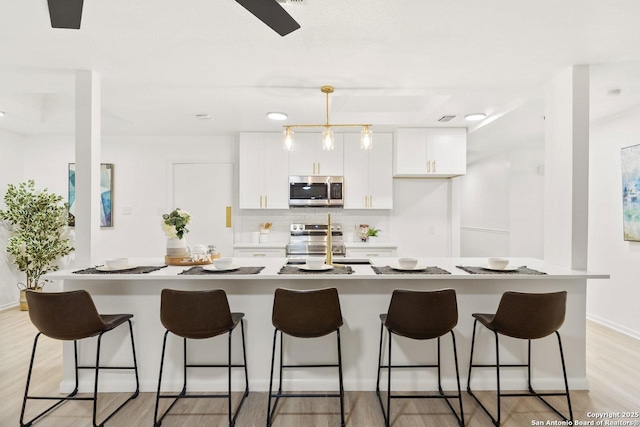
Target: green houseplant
(372,234)
(37,223)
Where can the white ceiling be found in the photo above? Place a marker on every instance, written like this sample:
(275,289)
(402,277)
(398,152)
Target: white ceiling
(393,63)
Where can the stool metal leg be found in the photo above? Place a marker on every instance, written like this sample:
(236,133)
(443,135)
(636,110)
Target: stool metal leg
(455,358)
(273,356)
(340,379)
(384,415)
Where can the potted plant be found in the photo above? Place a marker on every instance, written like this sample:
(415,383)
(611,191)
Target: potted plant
(174,225)
(37,223)
(372,234)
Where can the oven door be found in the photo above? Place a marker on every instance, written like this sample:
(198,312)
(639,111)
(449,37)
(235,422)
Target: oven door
(307,192)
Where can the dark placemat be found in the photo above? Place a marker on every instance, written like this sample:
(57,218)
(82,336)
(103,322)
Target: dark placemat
(521,270)
(287,269)
(197,270)
(143,269)
(426,270)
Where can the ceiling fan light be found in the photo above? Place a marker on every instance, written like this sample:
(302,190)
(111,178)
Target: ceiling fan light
(366,138)
(287,140)
(327,139)
(275,115)
(474,117)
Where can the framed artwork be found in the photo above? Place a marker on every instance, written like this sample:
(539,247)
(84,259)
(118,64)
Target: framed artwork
(630,160)
(106,194)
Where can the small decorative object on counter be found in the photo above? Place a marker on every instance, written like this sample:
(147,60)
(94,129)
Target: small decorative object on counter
(372,234)
(213,252)
(364,232)
(174,225)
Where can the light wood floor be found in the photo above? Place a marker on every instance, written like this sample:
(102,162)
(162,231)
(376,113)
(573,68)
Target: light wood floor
(612,363)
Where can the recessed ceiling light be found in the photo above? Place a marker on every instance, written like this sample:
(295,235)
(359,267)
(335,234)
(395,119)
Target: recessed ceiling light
(475,116)
(277,116)
(203,116)
(1,113)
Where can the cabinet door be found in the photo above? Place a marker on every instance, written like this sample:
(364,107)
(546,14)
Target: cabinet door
(381,172)
(447,151)
(356,172)
(410,152)
(330,162)
(302,158)
(276,173)
(251,167)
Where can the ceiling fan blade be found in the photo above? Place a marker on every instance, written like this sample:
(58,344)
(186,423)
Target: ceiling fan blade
(65,13)
(272,14)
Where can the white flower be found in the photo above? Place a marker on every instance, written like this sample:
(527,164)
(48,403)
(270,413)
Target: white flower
(169,230)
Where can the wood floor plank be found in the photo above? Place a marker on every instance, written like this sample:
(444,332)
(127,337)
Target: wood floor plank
(612,369)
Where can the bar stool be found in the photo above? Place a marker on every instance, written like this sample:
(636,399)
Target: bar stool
(420,315)
(524,316)
(72,316)
(199,315)
(305,314)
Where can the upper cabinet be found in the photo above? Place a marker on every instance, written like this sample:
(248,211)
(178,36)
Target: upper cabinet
(308,158)
(368,177)
(430,152)
(264,176)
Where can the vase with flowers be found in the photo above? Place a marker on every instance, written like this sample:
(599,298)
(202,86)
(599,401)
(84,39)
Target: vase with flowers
(174,225)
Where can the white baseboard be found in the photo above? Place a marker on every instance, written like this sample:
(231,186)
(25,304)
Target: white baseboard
(9,305)
(616,327)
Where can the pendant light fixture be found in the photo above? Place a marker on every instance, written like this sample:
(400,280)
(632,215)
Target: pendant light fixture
(366,137)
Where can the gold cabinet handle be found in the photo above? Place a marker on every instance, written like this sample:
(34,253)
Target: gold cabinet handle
(365,201)
(314,168)
(259,255)
(370,201)
(434,166)
(266,203)
(318,168)
(428,165)
(260,201)
(228,222)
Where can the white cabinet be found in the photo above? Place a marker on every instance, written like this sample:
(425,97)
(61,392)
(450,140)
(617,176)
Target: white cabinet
(308,158)
(430,152)
(368,174)
(264,178)
(259,253)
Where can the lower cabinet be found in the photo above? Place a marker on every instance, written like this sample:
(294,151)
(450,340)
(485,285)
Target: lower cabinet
(259,253)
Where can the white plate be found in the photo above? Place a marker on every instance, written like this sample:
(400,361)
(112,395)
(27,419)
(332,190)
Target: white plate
(507,268)
(416,268)
(105,268)
(325,267)
(214,268)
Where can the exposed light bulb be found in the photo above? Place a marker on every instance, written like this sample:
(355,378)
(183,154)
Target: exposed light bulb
(327,139)
(288,139)
(366,139)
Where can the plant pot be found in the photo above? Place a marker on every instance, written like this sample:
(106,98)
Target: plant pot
(373,239)
(176,248)
(23,298)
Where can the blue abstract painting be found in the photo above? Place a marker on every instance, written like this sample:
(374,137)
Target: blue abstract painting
(631,192)
(106,194)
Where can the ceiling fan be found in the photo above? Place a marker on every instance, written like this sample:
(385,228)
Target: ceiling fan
(68,14)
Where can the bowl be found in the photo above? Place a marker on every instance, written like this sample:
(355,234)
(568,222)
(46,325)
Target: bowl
(315,262)
(222,263)
(117,263)
(498,263)
(407,263)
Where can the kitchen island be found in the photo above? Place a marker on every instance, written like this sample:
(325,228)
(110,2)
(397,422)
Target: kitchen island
(363,296)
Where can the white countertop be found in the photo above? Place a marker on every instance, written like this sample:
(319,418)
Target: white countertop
(273,265)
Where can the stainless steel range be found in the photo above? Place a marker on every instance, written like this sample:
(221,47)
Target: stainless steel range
(311,240)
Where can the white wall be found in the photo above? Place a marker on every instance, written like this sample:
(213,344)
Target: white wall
(503,206)
(11,160)
(140,181)
(613,302)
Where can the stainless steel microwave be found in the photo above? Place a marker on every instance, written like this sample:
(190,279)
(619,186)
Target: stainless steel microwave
(309,191)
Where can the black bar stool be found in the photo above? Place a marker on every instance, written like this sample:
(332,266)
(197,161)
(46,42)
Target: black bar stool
(72,316)
(525,316)
(199,315)
(420,315)
(305,314)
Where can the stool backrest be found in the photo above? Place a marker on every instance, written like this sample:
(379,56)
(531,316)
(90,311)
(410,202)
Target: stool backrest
(530,316)
(68,315)
(422,314)
(195,314)
(307,314)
